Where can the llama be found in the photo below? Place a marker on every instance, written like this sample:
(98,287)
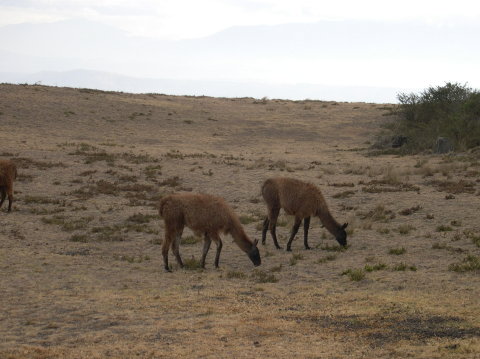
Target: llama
(8,173)
(302,200)
(205,215)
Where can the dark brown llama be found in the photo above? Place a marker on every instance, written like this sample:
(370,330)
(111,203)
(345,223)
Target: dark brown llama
(8,173)
(205,215)
(299,199)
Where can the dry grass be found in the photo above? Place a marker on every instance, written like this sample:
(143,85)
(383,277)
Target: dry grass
(82,273)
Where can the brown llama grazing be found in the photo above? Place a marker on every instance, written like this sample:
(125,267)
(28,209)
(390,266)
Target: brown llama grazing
(205,215)
(8,173)
(302,200)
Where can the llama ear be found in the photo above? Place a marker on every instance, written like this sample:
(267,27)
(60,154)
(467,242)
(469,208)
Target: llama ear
(255,242)
(345,225)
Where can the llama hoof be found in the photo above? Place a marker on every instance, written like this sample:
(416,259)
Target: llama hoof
(278,247)
(307,248)
(289,249)
(168,270)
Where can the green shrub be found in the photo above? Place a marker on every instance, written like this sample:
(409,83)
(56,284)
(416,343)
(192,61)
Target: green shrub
(452,111)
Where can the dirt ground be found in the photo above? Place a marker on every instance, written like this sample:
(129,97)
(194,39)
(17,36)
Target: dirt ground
(81,272)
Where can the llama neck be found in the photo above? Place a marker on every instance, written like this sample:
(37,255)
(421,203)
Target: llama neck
(329,222)
(240,237)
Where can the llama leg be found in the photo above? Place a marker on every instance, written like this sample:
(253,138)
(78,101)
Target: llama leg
(265,229)
(306,225)
(165,247)
(3,194)
(218,242)
(273,216)
(176,248)
(295,228)
(10,199)
(206,247)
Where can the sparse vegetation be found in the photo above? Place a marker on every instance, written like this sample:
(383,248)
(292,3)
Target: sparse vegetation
(295,258)
(80,244)
(375,267)
(333,248)
(263,277)
(409,211)
(405,229)
(231,274)
(469,263)
(397,251)
(379,214)
(401,267)
(192,263)
(444,228)
(355,275)
(328,258)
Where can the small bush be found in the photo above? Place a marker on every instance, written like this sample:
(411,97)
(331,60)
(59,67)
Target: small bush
(375,267)
(140,218)
(403,267)
(262,277)
(405,229)
(443,228)
(470,263)
(295,258)
(334,248)
(82,238)
(397,251)
(192,264)
(354,274)
(235,275)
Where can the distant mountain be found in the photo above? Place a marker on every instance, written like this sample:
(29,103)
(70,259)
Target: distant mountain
(113,82)
(298,57)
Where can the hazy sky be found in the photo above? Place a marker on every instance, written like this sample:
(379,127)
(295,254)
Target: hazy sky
(408,44)
(181,19)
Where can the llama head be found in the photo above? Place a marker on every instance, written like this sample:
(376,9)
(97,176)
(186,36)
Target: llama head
(341,236)
(254,254)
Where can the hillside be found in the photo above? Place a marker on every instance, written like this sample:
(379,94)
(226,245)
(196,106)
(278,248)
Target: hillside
(82,273)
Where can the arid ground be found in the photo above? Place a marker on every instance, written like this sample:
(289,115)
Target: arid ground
(81,272)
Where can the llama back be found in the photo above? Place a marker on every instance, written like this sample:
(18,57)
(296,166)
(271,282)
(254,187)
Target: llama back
(297,197)
(207,213)
(200,212)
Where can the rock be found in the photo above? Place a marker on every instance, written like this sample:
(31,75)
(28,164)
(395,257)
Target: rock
(399,141)
(443,145)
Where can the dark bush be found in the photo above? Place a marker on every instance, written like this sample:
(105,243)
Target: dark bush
(451,111)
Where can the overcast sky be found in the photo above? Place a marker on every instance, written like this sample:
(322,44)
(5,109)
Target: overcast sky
(181,19)
(408,44)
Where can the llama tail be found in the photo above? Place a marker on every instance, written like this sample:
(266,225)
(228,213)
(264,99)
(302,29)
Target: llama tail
(161,206)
